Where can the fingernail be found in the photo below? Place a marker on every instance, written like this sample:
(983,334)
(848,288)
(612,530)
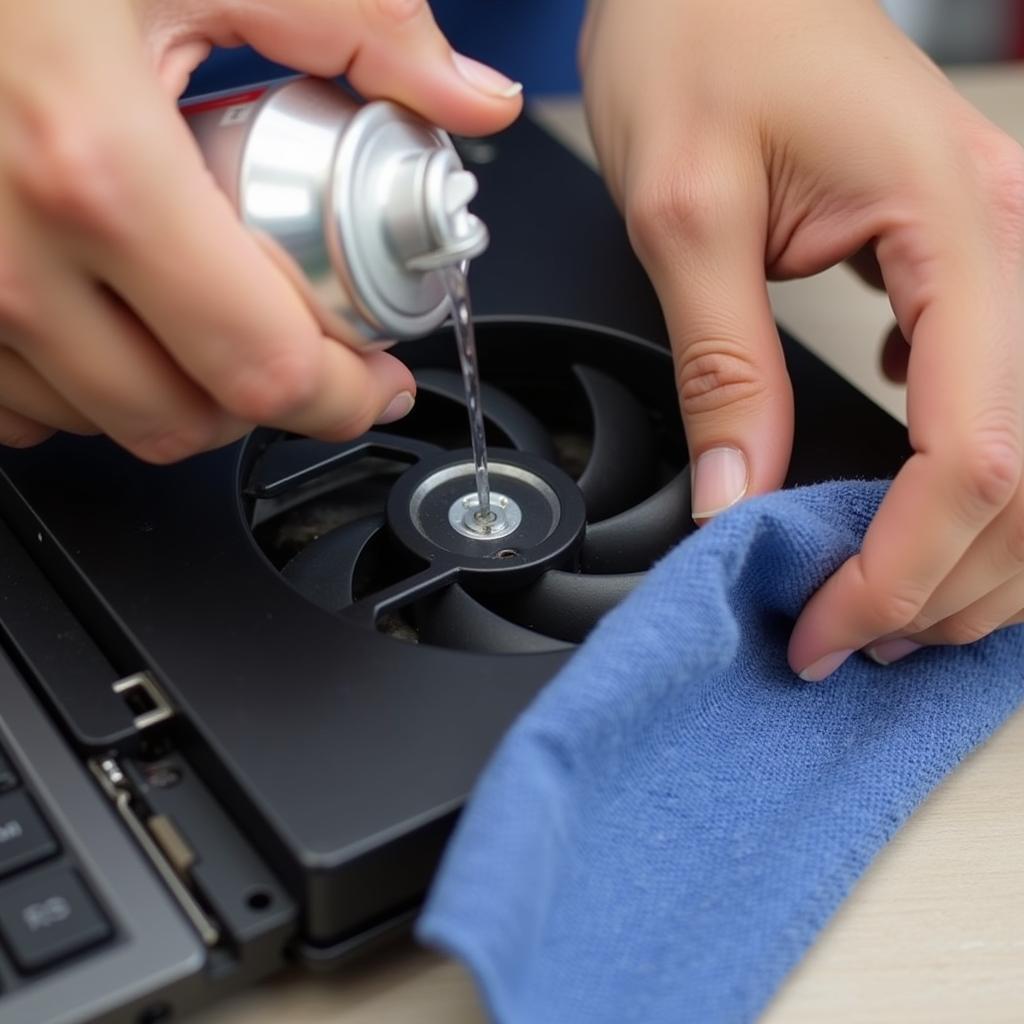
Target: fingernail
(889,651)
(720,479)
(399,407)
(485,78)
(823,667)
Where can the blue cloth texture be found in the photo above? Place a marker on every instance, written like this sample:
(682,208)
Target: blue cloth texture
(665,830)
(532,41)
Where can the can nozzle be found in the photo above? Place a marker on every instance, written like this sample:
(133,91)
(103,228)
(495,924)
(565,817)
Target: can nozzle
(428,216)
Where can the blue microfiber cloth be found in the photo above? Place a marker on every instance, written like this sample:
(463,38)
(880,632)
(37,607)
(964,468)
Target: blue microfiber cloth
(664,832)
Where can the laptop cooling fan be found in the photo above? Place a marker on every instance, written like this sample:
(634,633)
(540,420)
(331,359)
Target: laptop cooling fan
(586,444)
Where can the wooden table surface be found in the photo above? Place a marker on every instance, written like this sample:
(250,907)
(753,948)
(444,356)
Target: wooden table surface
(934,932)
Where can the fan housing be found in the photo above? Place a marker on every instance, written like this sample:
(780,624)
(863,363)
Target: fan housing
(586,446)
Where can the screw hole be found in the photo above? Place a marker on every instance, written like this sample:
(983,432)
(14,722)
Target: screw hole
(259,900)
(505,553)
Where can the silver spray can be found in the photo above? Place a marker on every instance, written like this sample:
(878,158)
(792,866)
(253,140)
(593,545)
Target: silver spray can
(363,205)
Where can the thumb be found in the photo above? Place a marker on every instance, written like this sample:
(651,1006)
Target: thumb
(386,48)
(705,257)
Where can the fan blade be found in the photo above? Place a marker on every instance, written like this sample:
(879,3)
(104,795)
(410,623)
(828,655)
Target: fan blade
(520,426)
(634,539)
(287,464)
(324,571)
(454,619)
(623,463)
(568,605)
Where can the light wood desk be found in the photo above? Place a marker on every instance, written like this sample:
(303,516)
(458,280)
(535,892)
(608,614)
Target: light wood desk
(934,932)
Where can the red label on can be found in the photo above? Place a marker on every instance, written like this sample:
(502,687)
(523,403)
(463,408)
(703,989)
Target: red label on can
(234,99)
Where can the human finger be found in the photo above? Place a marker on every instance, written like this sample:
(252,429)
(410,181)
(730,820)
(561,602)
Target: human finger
(701,238)
(965,417)
(24,391)
(386,48)
(103,362)
(997,610)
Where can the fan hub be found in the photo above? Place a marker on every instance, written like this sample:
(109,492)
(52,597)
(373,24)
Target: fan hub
(539,514)
(502,519)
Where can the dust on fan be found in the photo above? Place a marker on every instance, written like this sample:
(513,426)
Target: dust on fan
(598,405)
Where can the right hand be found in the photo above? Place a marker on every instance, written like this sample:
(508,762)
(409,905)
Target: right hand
(747,141)
(132,300)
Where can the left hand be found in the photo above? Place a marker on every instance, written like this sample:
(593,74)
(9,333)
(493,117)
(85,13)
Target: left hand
(133,301)
(745,141)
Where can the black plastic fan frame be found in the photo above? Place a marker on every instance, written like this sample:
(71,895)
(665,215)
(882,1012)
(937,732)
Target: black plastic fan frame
(563,401)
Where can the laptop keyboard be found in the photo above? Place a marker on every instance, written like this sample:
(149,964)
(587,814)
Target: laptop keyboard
(47,912)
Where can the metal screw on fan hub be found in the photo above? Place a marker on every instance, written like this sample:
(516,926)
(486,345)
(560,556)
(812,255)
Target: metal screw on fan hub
(539,509)
(504,517)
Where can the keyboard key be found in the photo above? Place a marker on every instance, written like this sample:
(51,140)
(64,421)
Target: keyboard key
(24,837)
(48,915)
(8,779)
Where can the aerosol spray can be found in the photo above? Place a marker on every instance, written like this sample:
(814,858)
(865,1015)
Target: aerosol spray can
(363,205)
